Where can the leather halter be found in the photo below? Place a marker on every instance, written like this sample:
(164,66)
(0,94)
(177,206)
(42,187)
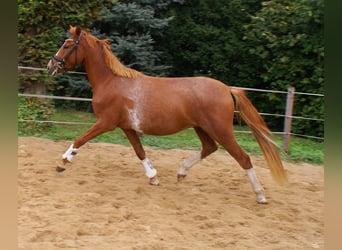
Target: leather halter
(61,61)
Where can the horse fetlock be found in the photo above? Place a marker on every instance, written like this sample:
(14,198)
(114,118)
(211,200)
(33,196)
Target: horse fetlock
(180,177)
(260,195)
(65,161)
(154,181)
(150,171)
(181,170)
(69,154)
(260,198)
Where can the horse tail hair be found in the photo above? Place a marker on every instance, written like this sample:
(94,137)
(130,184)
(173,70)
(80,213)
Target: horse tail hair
(262,134)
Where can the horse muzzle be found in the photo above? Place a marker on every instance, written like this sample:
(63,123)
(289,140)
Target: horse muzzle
(54,68)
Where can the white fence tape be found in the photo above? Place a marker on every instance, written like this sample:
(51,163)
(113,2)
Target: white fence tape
(248,89)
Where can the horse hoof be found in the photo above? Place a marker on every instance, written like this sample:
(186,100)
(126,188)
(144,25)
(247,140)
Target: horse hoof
(154,181)
(261,200)
(59,169)
(181,177)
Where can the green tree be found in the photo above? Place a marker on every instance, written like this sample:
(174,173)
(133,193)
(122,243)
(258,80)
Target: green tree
(205,38)
(133,27)
(41,26)
(287,38)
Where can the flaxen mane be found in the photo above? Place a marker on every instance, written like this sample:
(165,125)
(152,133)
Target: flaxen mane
(111,60)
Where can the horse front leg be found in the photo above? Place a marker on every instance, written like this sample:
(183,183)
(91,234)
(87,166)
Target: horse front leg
(150,171)
(98,128)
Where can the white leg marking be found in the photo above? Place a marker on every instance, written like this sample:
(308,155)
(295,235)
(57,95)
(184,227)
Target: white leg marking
(70,153)
(150,171)
(260,197)
(188,163)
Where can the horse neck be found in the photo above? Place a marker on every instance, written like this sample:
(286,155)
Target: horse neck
(96,68)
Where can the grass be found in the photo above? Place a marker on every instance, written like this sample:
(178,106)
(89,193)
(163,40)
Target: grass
(300,149)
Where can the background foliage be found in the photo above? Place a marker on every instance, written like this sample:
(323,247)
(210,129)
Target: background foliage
(133,27)
(252,43)
(205,38)
(42,27)
(41,30)
(288,40)
(33,109)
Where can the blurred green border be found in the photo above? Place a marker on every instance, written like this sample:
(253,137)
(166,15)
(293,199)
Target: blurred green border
(8,106)
(333,124)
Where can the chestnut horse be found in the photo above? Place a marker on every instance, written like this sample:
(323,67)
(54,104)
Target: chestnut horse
(127,99)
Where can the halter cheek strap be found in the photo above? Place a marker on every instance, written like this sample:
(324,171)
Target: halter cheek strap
(61,61)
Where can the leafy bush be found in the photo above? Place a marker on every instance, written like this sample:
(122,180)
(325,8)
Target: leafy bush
(31,110)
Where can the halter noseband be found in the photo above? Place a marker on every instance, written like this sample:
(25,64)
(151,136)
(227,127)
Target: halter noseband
(61,61)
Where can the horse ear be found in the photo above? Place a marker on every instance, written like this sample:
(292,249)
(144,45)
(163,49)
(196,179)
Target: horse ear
(78,30)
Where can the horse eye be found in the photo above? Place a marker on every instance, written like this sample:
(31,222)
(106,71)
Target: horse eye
(66,47)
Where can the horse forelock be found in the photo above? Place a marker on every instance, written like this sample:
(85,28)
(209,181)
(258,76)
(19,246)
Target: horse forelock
(110,59)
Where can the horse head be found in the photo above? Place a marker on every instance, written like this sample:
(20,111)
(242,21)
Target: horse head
(69,55)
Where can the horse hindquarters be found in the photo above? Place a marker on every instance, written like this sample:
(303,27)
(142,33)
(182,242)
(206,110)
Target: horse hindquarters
(218,125)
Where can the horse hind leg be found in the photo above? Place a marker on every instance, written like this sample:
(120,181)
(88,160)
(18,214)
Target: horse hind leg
(229,143)
(208,146)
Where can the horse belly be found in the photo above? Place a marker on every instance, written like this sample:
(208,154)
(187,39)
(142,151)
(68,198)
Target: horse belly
(158,122)
(167,128)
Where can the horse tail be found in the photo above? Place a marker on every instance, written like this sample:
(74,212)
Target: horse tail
(261,133)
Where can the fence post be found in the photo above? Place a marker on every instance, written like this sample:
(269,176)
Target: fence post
(288,118)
